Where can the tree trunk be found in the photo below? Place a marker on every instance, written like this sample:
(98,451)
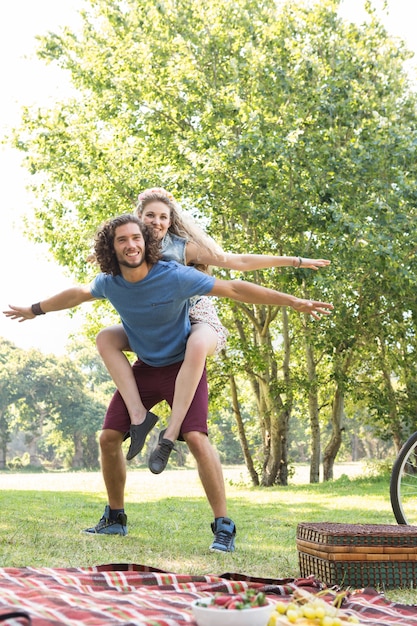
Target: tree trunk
(32,448)
(91,456)
(78,458)
(273,411)
(395,424)
(241,432)
(333,446)
(3,456)
(4,439)
(276,469)
(313,409)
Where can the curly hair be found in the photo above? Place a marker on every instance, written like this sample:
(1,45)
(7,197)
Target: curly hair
(182,224)
(104,243)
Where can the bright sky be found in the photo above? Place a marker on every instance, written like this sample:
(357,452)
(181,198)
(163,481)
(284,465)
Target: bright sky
(33,275)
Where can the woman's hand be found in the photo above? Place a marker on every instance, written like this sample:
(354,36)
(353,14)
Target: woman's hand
(313,264)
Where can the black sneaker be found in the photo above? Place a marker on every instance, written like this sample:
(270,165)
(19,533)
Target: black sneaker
(224,535)
(138,434)
(158,458)
(107,526)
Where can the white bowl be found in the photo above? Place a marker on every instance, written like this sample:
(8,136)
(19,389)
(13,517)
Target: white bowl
(214,616)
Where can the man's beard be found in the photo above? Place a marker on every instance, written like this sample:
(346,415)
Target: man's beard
(131,265)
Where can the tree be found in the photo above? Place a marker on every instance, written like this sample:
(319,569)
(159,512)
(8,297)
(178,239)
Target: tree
(287,129)
(47,399)
(9,393)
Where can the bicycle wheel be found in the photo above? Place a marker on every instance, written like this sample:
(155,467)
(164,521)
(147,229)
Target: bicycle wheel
(403,485)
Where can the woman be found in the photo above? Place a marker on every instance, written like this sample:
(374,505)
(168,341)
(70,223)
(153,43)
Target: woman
(182,241)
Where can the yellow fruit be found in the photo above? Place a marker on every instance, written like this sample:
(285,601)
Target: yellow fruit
(320,611)
(281,607)
(293,615)
(309,611)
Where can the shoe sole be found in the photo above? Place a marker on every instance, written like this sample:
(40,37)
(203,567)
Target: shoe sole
(96,534)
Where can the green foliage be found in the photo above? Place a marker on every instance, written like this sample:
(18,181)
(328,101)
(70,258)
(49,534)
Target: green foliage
(380,468)
(288,130)
(52,408)
(19,462)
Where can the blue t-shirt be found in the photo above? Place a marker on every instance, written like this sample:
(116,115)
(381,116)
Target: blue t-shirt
(154,310)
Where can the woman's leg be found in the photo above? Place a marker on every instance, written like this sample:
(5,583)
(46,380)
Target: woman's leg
(111,342)
(201,343)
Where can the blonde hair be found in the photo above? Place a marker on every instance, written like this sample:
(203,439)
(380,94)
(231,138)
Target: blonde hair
(182,223)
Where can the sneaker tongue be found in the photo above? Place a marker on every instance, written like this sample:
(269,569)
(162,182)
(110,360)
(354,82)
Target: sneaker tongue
(223,523)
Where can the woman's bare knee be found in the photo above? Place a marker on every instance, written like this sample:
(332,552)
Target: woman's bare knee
(112,338)
(202,341)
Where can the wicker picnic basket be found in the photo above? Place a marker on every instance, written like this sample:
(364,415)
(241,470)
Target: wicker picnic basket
(358,555)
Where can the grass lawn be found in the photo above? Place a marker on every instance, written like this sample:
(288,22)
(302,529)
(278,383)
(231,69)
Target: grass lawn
(169,520)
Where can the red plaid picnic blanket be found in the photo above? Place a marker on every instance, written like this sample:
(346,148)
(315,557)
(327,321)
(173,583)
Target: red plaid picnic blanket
(137,595)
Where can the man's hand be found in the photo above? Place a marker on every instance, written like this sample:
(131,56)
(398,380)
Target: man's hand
(20,313)
(313,307)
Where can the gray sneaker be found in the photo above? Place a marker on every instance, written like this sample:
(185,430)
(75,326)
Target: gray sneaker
(158,458)
(138,434)
(224,535)
(107,526)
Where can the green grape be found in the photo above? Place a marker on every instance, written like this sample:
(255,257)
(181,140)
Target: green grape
(293,615)
(320,612)
(273,619)
(281,608)
(309,611)
(312,608)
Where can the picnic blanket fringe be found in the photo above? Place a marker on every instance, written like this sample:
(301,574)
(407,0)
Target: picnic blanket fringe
(128,594)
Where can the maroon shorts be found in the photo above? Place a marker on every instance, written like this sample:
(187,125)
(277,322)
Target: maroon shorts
(156,384)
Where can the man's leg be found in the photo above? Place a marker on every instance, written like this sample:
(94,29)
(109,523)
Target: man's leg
(209,470)
(113,468)
(156,384)
(211,476)
(194,431)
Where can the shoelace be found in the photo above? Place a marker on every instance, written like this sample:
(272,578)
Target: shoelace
(103,522)
(163,451)
(223,537)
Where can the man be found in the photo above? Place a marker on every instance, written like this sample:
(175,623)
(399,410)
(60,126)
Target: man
(151,297)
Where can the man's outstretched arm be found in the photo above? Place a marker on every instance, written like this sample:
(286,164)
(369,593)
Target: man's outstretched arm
(244,291)
(67,299)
